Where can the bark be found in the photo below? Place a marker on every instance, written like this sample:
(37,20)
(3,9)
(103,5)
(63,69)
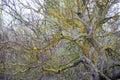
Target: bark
(94,73)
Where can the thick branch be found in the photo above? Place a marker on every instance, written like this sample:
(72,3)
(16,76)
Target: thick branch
(84,60)
(87,27)
(94,74)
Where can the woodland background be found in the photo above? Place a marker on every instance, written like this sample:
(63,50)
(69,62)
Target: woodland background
(59,39)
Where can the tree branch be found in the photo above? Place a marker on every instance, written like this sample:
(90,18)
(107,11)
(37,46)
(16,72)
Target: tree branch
(84,60)
(108,18)
(94,73)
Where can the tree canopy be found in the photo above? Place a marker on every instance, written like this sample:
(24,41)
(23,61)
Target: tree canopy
(60,39)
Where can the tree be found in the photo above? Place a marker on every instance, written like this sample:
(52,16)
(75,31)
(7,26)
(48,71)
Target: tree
(56,35)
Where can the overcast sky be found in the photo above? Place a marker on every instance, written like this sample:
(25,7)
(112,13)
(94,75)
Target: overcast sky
(7,18)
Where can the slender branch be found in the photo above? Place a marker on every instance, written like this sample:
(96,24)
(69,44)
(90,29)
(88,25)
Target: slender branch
(113,17)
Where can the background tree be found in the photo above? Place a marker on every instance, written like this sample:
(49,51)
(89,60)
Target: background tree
(44,36)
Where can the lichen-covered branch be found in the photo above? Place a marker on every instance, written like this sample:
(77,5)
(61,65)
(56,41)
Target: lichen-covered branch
(84,60)
(94,73)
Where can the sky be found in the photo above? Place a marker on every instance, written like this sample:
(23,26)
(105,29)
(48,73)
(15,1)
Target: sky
(7,18)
